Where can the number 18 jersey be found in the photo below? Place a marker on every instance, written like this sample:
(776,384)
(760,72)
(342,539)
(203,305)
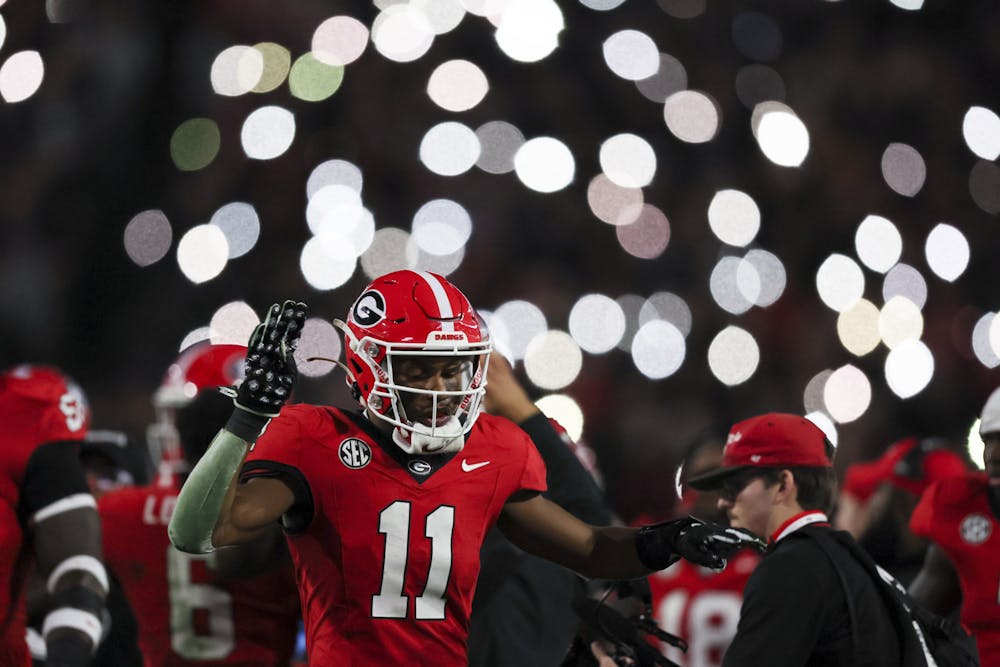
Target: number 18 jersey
(386,545)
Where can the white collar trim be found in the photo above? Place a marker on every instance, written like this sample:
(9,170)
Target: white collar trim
(815,516)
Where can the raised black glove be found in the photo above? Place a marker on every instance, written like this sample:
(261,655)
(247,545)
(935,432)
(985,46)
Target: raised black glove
(706,544)
(270,366)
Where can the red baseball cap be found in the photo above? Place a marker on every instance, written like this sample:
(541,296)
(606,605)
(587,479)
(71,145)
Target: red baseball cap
(937,462)
(773,440)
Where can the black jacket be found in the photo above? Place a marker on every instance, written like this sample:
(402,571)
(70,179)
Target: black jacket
(795,614)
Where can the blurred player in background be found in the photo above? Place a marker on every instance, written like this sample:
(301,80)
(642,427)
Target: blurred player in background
(961,515)
(698,604)
(105,458)
(386,510)
(238,607)
(878,498)
(522,613)
(47,518)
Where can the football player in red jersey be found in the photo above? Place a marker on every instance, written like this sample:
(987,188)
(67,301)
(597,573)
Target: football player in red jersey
(695,603)
(47,518)
(385,510)
(961,515)
(198,610)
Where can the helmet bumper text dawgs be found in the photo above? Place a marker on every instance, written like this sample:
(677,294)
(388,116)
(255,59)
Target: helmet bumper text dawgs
(416,314)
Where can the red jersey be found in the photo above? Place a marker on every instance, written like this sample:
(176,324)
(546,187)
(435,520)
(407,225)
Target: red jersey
(188,615)
(955,513)
(38,406)
(701,606)
(386,545)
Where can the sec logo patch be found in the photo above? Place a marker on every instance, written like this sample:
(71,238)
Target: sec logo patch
(975,528)
(355,453)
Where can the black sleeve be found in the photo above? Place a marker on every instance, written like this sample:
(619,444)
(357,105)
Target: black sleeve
(120,648)
(786,607)
(570,485)
(296,519)
(53,472)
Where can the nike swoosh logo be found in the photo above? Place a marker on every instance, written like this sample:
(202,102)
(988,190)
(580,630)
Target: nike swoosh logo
(469,467)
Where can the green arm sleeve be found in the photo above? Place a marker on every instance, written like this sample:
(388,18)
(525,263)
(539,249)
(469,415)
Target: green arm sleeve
(204,493)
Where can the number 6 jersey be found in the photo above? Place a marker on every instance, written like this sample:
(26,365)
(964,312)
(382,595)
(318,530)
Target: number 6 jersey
(386,545)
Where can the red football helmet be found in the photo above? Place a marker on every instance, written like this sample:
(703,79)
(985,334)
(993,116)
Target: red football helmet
(48,384)
(200,366)
(416,314)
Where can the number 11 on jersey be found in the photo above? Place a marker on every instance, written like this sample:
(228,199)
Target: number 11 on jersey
(394,523)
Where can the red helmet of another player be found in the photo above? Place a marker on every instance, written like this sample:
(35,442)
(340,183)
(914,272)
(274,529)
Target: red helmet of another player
(416,314)
(200,366)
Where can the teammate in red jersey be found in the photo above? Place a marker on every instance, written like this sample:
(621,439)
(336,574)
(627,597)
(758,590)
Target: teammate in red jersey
(698,604)
(961,515)
(385,510)
(47,518)
(198,610)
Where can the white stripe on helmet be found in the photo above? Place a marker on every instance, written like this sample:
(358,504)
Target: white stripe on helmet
(441,297)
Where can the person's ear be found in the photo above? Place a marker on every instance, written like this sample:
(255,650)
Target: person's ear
(785,482)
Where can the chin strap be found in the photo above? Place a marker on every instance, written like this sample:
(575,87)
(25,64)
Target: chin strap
(447,439)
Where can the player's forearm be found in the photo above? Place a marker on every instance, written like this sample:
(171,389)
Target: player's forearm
(208,493)
(613,555)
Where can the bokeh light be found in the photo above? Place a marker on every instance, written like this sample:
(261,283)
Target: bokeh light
(858,328)
(564,410)
(202,253)
(523,321)
(647,236)
(195,143)
(909,368)
(236,70)
(984,186)
(597,323)
(904,280)
(195,336)
(449,149)
(421,260)
(734,217)
(443,15)
(899,320)
(334,172)
(658,349)
(628,160)
(319,338)
(499,142)
(232,324)
(631,305)
(339,40)
(840,282)
(781,134)
(759,83)
(733,356)
(147,237)
(312,80)
(878,243)
(612,203)
(544,164)
(326,266)
(982,346)
(552,360)
(757,36)
(947,251)
(733,287)
(267,132)
(692,116)
(401,32)
(441,227)
(975,445)
(981,129)
(825,424)
(631,54)
(668,307)
(812,396)
(847,394)
(528,30)
(765,270)
(903,169)
(457,85)
(386,253)
(241,225)
(669,78)
(21,76)
(277,63)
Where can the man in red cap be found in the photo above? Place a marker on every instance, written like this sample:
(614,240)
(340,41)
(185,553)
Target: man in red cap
(777,480)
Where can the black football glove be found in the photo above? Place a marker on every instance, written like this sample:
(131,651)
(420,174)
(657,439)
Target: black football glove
(270,366)
(706,544)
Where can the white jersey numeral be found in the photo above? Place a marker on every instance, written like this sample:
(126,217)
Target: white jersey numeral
(185,598)
(394,523)
(712,618)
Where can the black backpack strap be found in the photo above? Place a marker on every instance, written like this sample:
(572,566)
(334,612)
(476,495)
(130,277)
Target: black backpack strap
(826,545)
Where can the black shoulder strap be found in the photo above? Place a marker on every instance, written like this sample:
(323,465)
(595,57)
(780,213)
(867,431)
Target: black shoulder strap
(826,545)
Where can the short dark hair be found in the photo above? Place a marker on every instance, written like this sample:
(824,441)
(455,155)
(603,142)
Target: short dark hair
(817,486)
